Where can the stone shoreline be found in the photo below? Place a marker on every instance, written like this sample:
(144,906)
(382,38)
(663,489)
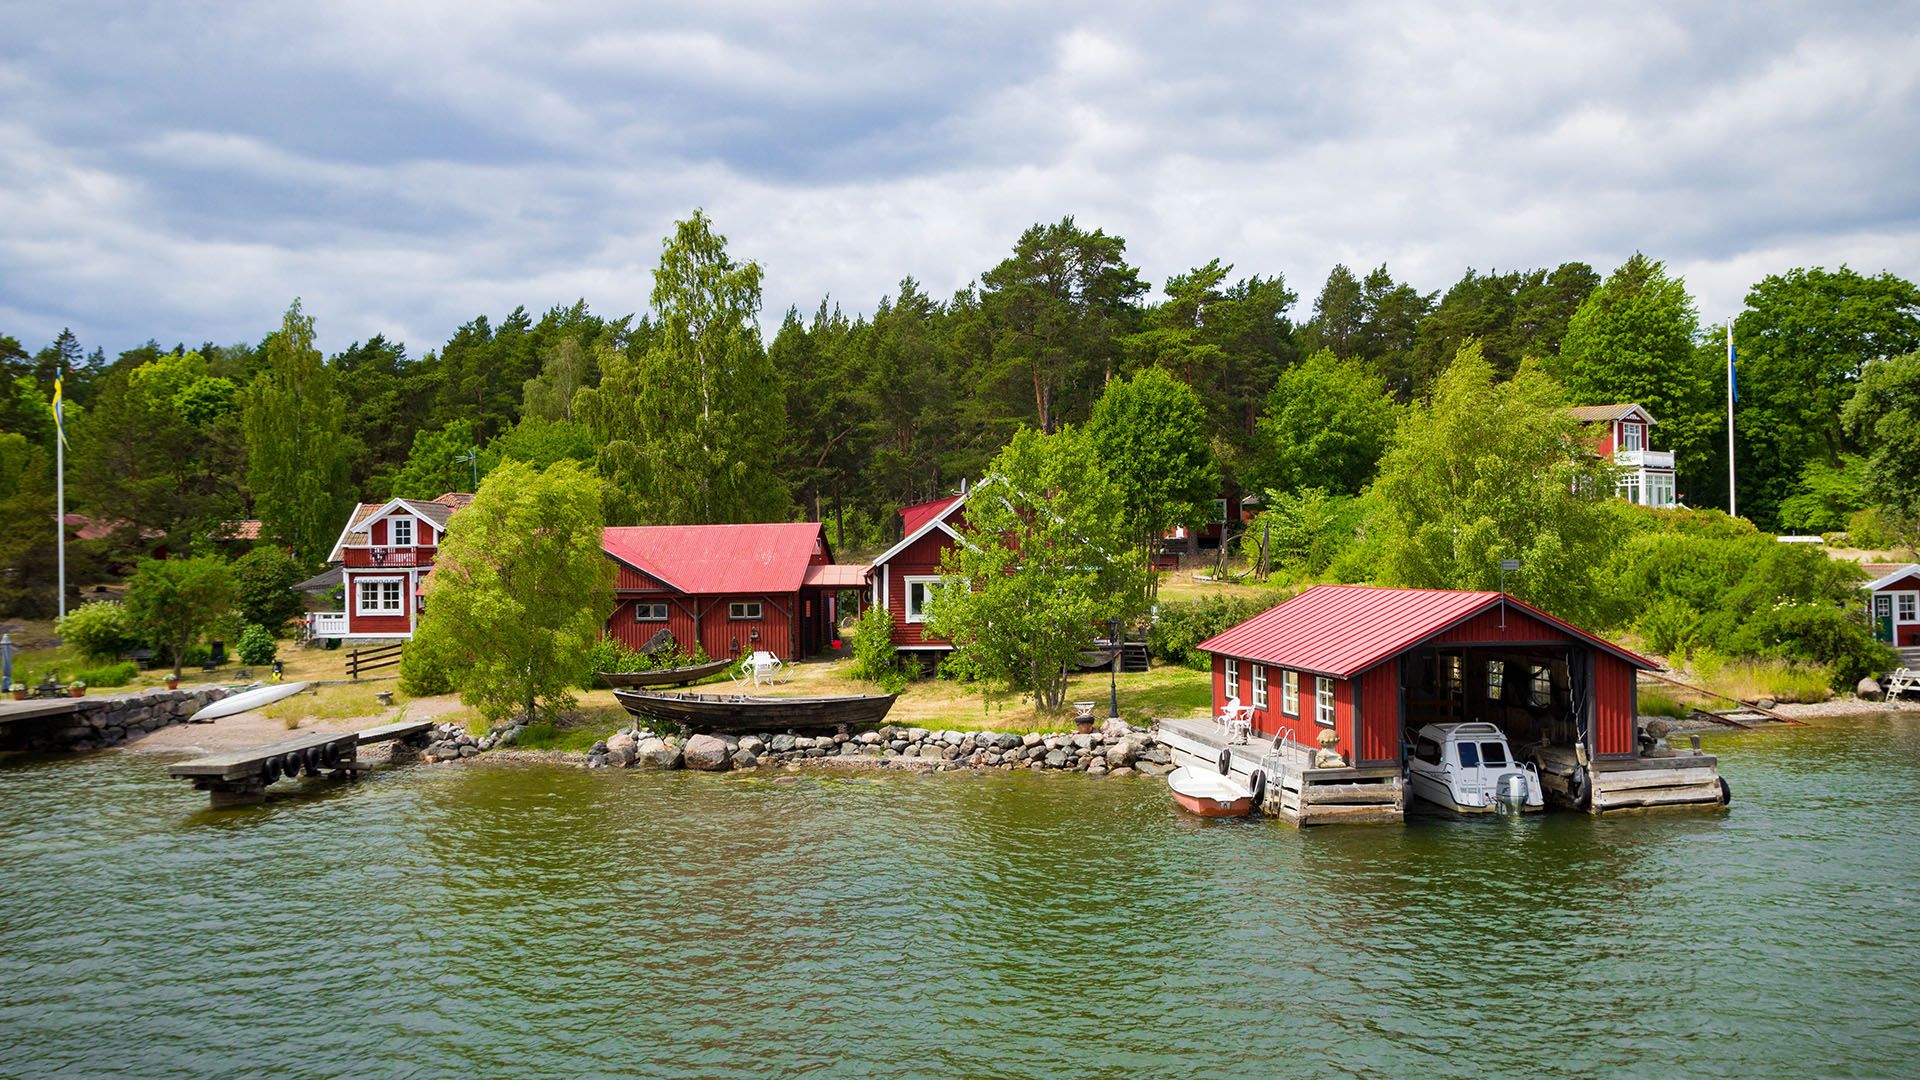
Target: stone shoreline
(1116,749)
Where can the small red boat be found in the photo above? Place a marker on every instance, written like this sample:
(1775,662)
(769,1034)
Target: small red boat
(1209,794)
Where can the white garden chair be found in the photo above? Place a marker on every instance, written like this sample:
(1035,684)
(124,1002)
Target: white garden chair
(765,666)
(1236,720)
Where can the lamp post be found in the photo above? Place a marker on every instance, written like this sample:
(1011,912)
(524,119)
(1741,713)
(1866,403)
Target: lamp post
(1113,670)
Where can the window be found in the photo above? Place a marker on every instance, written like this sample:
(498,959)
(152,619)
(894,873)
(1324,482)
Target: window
(1629,488)
(1220,510)
(750,610)
(1428,751)
(1903,605)
(1259,686)
(1290,693)
(1323,701)
(402,528)
(1630,436)
(1452,669)
(919,591)
(380,596)
(649,613)
(1469,753)
(1233,678)
(1540,691)
(1493,753)
(1883,606)
(1660,489)
(1496,679)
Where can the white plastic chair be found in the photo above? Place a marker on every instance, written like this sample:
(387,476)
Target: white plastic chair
(1236,720)
(765,666)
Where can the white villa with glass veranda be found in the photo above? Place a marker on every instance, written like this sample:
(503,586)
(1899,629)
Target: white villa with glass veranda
(1646,474)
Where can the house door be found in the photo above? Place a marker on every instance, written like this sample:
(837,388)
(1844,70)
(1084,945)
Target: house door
(1883,617)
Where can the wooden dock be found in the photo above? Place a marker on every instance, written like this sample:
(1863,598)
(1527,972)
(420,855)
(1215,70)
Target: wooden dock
(1298,792)
(1673,780)
(242,776)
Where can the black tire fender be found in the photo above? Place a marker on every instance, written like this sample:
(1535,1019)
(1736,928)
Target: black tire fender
(1226,762)
(270,770)
(1726,793)
(1257,785)
(1579,787)
(291,765)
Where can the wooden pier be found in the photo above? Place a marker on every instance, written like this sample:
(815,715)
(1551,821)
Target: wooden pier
(1670,780)
(1298,793)
(242,777)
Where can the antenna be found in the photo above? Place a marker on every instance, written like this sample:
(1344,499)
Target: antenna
(1505,566)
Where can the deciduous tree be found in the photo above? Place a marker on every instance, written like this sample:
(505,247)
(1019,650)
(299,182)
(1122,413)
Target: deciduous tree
(297,449)
(1884,416)
(520,592)
(1326,424)
(1150,432)
(174,602)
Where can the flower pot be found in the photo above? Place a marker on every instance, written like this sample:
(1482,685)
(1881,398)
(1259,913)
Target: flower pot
(20,695)
(1085,726)
(76,691)
(173,684)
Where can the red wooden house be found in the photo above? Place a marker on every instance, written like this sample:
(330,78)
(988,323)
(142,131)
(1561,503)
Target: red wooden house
(384,553)
(729,588)
(1646,474)
(1893,603)
(904,575)
(1371,664)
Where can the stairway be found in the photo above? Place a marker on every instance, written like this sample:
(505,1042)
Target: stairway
(1133,656)
(1909,656)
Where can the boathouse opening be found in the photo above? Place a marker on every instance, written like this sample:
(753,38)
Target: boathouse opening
(1530,692)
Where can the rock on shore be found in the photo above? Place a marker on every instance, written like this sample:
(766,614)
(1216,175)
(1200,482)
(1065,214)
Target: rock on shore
(1117,750)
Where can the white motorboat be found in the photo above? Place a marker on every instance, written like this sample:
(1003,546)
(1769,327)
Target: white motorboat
(256,696)
(1210,794)
(1468,768)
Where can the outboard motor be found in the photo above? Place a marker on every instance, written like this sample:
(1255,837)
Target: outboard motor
(1510,795)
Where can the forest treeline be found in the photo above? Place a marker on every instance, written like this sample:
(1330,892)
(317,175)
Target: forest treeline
(699,408)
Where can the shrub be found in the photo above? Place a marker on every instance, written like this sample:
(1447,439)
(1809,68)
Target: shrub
(101,630)
(110,675)
(263,587)
(1660,703)
(1178,628)
(874,655)
(257,645)
(421,676)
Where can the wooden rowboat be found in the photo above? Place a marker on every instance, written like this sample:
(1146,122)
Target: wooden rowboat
(1209,794)
(742,713)
(1097,659)
(672,676)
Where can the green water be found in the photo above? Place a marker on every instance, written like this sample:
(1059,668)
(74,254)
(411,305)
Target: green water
(486,921)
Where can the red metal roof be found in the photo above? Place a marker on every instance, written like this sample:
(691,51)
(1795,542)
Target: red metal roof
(763,558)
(1341,630)
(917,515)
(837,576)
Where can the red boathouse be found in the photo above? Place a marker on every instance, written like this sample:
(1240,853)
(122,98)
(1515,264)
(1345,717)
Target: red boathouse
(1373,664)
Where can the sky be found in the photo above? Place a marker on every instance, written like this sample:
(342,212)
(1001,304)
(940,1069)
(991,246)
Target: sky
(182,172)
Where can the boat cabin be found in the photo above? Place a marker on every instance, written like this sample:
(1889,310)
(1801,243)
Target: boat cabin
(1371,665)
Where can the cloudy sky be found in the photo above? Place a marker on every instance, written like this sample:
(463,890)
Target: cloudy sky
(182,171)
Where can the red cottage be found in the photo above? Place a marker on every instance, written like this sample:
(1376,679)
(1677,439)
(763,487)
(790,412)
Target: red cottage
(1646,474)
(731,588)
(905,574)
(384,554)
(1893,605)
(1370,664)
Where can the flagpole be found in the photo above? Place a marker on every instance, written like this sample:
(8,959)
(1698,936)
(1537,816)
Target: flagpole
(60,504)
(1733,503)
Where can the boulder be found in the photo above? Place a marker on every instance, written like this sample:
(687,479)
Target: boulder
(918,734)
(1032,738)
(933,750)
(707,753)
(1007,740)
(1148,768)
(1056,759)
(1868,688)
(782,744)
(870,738)
(744,758)
(1083,742)
(952,738)
(1120,753)
(621,741)
(1116,729)
(657,754)
(753,744)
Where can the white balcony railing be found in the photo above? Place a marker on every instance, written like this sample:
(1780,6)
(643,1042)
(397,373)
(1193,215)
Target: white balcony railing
(1644,459)
(328,624)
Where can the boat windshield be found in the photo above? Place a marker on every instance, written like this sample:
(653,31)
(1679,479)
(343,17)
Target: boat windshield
(1493,753)
(1469,754)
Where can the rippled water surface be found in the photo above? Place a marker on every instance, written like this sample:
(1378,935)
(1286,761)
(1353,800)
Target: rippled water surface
(490,921)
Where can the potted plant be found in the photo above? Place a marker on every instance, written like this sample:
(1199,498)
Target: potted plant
(173,681)
(19,686)
(76,688)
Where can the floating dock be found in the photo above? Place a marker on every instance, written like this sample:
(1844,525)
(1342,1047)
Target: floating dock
(242,776)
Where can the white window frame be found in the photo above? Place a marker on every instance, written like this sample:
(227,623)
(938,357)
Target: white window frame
(1220,511)
(643,611)
(1906,607)
(1260,686)
(1290,693)
(907,582)
(393,531)
(1233,678)
(1323,711)
(1632,435)
(1660,490)
(383,604)
(738,609)
(1629,488)
(1540,686)
(1496,680)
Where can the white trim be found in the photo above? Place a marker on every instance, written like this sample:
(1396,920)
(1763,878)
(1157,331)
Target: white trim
(1331,706)
(938,521)
(759,610)
(1289,691)
(1260,680)
(666,611)
(907,582)
(393,530)
(1231,681)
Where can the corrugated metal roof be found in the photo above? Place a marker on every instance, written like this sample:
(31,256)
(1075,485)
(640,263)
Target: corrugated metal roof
(761,558)
(837,576)
(1341,630)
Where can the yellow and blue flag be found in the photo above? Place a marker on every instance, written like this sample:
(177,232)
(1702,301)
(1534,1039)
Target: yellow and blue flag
(59,415)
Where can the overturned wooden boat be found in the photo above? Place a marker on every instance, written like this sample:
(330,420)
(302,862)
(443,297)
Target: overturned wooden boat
(1098,658)
(255,696)
(673,676)
(744,713)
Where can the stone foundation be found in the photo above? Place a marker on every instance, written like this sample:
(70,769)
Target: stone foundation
(93,723)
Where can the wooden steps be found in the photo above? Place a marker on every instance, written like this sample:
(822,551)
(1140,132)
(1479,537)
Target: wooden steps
(1133,656)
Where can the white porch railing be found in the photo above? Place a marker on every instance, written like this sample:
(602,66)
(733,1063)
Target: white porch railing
(1644,459)
(328,624)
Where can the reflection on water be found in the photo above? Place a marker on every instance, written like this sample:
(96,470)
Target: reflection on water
(546,921)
